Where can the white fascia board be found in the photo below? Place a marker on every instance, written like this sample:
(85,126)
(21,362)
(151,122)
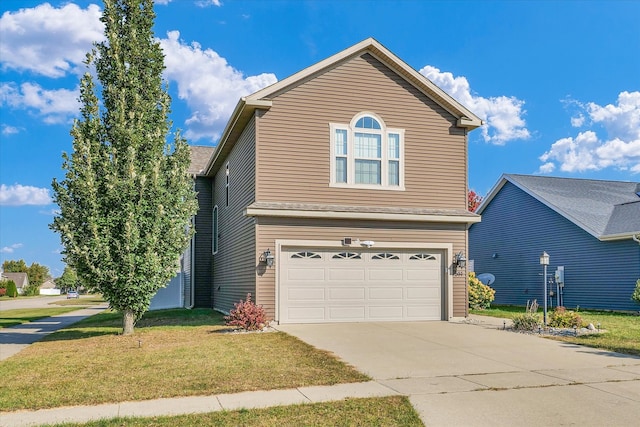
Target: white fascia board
(243,105)
(288,213)
(620,236)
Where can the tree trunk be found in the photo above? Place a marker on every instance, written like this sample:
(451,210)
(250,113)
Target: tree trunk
(128,321)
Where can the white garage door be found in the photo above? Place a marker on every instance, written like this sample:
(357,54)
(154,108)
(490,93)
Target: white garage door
(349,285)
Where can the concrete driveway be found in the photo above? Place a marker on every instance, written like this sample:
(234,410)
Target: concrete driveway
(458,374)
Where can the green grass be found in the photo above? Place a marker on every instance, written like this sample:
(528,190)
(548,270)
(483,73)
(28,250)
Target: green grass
(384,411)
(172,353)
(86,300)
(24,315)
(622,330)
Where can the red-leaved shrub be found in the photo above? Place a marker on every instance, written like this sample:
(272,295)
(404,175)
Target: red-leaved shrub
(247,315)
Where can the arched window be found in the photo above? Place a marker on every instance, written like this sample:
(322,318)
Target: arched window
(367,154)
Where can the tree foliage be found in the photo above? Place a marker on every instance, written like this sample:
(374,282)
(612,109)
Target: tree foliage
(126,199)
(11,266)
(68,280)
(473,200)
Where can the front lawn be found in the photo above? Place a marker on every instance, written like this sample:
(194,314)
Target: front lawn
(383,411)
(622,330)
(173,353)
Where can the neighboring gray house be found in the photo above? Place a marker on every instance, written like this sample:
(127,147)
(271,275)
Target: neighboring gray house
(20,279)
(586,226)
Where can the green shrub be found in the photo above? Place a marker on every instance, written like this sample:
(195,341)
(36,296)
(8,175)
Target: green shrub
(636,293)
(247,315)
(31,290)
(480,295)
(561,318)
(528,321)
(12,289)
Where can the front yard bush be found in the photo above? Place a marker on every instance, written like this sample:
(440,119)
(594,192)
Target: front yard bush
(563,318)
(636,293)
(247,315)
(480,295)
(528,321)
(12,290)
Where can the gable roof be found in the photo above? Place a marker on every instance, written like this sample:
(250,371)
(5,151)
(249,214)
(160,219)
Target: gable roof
(262,99)
(200,156)
(20,279)
(608,210)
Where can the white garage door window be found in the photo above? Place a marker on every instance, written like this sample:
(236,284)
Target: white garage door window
(358,285)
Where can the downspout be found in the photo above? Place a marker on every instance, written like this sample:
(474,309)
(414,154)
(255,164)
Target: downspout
(636,239)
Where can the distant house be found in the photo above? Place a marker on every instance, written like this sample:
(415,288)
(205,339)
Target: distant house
(586,226)
(49,288)
(20,279)
(338,194)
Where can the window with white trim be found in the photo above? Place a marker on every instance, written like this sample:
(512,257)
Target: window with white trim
(214,240)
(226,184)
(367,154)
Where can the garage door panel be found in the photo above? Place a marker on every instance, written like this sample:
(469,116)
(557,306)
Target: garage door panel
(340,294)
(338,285)
(385,293)
(386,312)
(346,313)
(346,274)
(306,294)
(388,274)
(309,314)
(414,293)
(306,274)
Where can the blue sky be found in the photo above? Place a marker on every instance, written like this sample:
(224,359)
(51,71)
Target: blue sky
(557,82)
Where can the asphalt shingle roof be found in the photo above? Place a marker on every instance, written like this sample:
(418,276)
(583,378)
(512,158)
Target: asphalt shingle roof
(605,209)
(200,156)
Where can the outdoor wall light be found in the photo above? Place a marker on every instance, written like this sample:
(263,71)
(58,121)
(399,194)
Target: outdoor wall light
(460,260)
(267,258)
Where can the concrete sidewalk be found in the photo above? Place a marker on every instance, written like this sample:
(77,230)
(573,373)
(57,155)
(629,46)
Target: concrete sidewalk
(16,338)
(196,404)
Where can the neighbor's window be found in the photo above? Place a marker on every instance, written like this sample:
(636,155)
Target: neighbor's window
(367,154)
(214,243)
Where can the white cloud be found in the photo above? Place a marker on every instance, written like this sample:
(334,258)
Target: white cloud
(619,149)
(49,41)
(10,249)
(55,106)
(19,195)
(578,121)
(503,115)
(209,85)
(9,130)
(207,3)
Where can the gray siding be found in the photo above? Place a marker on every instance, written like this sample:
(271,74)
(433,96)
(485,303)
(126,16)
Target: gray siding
(517,228)
(234,263)
(202,244)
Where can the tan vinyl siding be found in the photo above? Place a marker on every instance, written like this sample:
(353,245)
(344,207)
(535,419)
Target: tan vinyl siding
(268,230)
(293,140)
(234,264)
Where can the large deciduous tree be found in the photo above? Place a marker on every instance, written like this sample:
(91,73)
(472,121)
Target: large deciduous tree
(126,199)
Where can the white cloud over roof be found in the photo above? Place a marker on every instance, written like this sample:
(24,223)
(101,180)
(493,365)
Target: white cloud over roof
(503,115)
(612,140)
(20,195)
(209,85)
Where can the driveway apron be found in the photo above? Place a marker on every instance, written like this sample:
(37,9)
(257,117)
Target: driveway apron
(459,374)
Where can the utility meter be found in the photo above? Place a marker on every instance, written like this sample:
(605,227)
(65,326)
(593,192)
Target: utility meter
(560,275)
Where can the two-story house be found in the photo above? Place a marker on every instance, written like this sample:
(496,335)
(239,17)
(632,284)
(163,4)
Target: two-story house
(338,194)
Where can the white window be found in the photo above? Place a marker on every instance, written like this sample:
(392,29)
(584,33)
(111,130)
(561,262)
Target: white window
(226,185)
(214,242)
(367,154)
